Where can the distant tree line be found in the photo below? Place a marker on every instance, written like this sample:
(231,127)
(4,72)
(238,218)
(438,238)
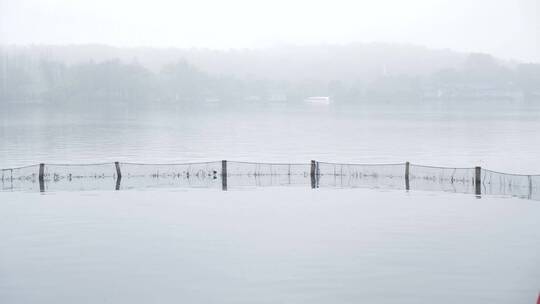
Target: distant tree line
(25,80)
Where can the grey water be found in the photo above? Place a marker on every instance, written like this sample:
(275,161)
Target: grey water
(504,140)
(269,245)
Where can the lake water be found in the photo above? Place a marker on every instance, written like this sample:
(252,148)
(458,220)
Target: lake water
(507,141)
(270,245)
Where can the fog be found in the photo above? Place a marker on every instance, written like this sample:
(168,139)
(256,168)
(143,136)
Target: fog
(508,29)
(352,75)
(165,60)
(269,151)
(186,53)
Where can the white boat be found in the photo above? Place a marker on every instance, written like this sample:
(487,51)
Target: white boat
(212,100)
(322,100)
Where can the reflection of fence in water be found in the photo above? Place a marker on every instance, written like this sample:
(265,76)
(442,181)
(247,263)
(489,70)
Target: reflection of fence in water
(230,174)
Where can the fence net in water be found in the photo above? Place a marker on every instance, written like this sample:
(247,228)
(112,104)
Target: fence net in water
(460,180)
(79,177)
(497,183)
(246,174)
(20,179)
(196,175)
(104,176)
(361,175)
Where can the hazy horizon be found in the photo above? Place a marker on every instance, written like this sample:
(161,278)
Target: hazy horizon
(261,48)
(505,29)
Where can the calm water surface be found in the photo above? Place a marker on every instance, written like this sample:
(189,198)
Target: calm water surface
(503,141)
(275,245)
(279,245)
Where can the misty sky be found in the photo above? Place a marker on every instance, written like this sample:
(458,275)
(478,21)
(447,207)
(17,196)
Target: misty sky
(505,28)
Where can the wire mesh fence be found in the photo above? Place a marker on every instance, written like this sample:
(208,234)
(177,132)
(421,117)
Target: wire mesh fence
(79,177)
(431,178)
(20,179)
(189,175)
(246,174)
(361,175)
(498,183)
(233,174)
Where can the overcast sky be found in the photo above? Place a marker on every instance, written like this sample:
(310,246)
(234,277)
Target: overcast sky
(505,28)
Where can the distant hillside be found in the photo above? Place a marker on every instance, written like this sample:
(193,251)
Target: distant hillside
(353,74)
(347,63)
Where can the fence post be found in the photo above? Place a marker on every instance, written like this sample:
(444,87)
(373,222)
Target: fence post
(530,187)
(313,174)
(41,177)
(478,180)
(407,166)
(224,175)
(118,175)
(118,172)
(289,174)
(317,173)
